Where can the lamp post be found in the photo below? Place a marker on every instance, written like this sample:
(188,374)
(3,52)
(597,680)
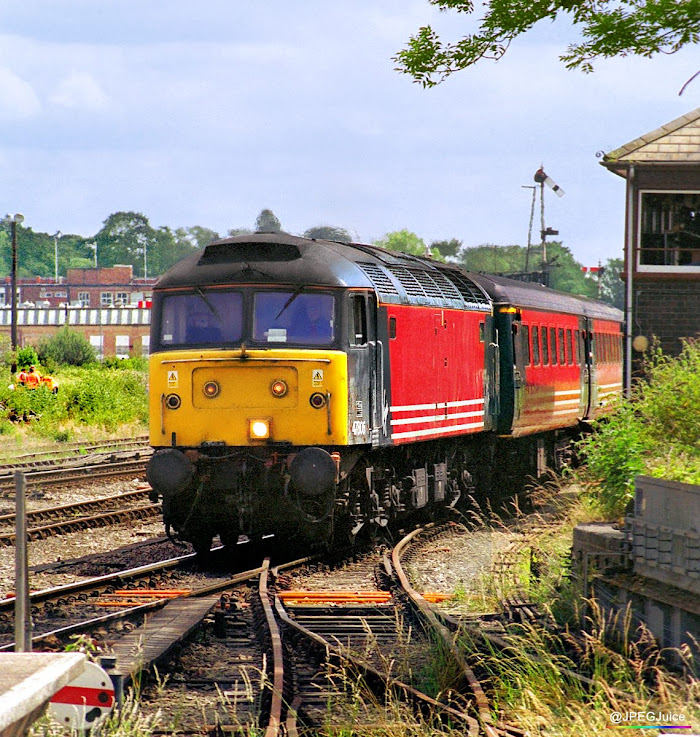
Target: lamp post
(14,220)
(56,236)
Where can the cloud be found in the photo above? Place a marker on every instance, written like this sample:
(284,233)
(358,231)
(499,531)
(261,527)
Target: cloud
(80,91)
(18,101)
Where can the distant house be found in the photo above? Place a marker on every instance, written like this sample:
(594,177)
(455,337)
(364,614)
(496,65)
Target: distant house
(107,305)
(662,233)
(100,287)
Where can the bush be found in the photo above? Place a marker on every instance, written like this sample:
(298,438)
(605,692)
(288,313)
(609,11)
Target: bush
(655,432)
(107,397)
(27,357)
(66,347)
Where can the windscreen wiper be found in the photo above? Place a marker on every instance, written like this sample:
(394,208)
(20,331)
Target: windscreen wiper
(291,299)
(211,307)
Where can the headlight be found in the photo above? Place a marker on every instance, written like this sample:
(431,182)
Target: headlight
(211,389)
(259,429)
(172,401)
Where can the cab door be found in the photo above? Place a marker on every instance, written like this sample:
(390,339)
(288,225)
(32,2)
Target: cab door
(361,369)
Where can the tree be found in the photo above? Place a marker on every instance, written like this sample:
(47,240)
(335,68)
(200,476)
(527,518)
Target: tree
(232,232)
(449,249)
(612,288)
(564,271)
(404,241)
(123,239)
(609,28)
(329,233)
(267,222)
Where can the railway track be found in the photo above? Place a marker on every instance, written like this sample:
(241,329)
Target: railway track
(78,516)
(282,650)
(64,451)
(89,469)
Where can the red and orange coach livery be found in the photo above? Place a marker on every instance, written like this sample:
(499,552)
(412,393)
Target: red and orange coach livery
(314,390)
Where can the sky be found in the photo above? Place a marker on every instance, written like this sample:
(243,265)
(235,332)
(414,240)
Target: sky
(205,113)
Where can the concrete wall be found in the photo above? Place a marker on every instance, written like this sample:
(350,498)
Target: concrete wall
(664,532)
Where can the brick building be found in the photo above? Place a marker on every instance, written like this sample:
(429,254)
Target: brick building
(99,287)
(113,331)
(662,234)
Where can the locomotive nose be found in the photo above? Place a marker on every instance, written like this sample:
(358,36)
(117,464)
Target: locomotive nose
(169,471)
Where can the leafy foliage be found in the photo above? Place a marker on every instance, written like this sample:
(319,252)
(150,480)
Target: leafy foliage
(267,222)
(564,271)
(89,395)
(66,347)
(404,241)
(609,28)
(26,357)
(655,432)
(329,233)
(448,248)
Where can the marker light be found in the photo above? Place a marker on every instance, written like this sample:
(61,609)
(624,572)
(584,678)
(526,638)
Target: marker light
(317,400)
(259,429)
(211,389)
(278,388)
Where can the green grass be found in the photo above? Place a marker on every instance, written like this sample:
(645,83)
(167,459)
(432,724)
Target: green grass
(94,396)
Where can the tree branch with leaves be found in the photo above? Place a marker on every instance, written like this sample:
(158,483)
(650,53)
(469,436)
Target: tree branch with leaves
(608,28)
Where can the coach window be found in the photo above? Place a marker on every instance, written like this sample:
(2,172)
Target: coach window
(526,340)
(392,328)
(535,345)
(481,332)
(545,347)
(569,347)
(553,345)
(358,320)
(562,348)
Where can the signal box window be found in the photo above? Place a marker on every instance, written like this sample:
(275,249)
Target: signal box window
(358,320)
(204,318)
(294,317)
(669,231)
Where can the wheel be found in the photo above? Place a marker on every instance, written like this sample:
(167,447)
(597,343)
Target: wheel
(202,544)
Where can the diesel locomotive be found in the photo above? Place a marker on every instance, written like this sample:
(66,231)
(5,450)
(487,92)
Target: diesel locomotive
(315,390)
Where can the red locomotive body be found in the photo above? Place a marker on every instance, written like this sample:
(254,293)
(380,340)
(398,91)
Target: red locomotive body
(437,372)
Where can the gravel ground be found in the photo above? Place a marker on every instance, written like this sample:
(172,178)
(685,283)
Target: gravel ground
(76,544)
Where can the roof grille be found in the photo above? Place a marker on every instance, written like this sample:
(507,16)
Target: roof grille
(379,278)
(408,280)
(471,293)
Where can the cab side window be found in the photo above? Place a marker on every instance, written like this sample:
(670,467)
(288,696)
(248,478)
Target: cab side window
(358,320)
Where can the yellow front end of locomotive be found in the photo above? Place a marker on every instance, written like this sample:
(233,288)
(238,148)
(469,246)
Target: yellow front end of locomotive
(248,398)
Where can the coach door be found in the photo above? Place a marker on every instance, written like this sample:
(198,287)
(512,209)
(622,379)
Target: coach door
(584,352)
(519,363)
